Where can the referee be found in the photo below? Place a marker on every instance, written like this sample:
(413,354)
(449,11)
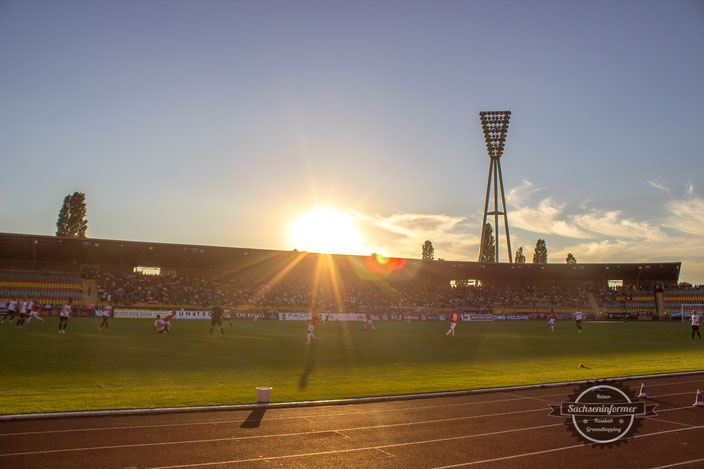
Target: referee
(216,318)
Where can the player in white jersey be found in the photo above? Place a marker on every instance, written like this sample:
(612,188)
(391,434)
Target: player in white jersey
(34,313)
(408,318)
(24,312)
(64,314)
(578,317)
(696,319)
(163,325)
(11,310)
(227,317)
(551,321)
(368,321)
(453,318)
(107,309)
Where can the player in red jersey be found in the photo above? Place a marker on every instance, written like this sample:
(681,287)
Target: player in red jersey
(34,313)
(551,322)
(368,321)
(454,317)
(311,327)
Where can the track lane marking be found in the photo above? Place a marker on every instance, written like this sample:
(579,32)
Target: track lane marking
(683,463)
(278,435)
(562,448)
(350,450)
(237,461)
(375,447)
(268,419)
(281,435)
(669,421)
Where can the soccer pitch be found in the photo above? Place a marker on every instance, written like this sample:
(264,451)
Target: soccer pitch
(131,367)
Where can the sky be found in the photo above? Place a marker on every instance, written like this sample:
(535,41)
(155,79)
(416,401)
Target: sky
(223,122)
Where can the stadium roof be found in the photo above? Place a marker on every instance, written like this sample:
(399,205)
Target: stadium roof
(23,251)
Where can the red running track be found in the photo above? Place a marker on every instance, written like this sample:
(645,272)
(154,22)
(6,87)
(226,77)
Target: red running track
(493,429)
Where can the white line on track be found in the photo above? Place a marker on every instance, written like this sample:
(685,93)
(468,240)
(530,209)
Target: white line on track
(285,435)
(268,419)
(396,445)
(515,398)
(350,450)
(562,448)
(678,464)
(669,421)
(277,435)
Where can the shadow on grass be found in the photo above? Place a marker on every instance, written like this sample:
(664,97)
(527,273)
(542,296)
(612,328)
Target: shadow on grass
(311,353)
(254,419)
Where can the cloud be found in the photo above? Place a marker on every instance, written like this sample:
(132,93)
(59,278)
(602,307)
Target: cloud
(403,234)
(519,196)
(549,217)
(659,186)
(544,218)
(687,214)
(613,224)
(592,235)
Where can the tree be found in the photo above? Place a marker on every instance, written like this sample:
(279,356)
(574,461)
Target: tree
(488,248)
(428,251)
(571,259)
(520,257)
(540,255)
(72,221)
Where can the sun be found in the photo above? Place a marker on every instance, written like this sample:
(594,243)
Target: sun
(328,231)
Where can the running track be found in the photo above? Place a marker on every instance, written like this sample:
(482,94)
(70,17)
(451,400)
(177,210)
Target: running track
(494,429)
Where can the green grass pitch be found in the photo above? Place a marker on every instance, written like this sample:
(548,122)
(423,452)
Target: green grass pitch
(130,367)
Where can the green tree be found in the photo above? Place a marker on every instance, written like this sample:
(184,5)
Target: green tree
(571,259)
(72,221)
(488,248)
(520,257)
(428,251)
(540,255)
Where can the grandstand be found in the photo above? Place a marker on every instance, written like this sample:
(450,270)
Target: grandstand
(97,271)
(676,297)
(46,287)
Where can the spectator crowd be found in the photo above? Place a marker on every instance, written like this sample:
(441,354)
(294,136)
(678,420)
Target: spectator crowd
(192,291)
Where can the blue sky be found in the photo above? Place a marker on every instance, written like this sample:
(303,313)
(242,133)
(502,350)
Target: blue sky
(220,122)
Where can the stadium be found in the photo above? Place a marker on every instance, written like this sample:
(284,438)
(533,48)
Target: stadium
(279,246)
(125,369)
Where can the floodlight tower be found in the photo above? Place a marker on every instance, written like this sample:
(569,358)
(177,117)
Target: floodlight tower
(495,126)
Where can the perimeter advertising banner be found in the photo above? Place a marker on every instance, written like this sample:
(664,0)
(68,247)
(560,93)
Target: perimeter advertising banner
(512,317)
(189,314)
(152,313)
(305,316)
(477,317)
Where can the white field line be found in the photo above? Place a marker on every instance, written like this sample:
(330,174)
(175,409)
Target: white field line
(359,400)
(516,398)
(534,453)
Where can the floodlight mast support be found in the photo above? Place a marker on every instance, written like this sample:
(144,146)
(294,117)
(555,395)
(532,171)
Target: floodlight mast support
(495,126)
